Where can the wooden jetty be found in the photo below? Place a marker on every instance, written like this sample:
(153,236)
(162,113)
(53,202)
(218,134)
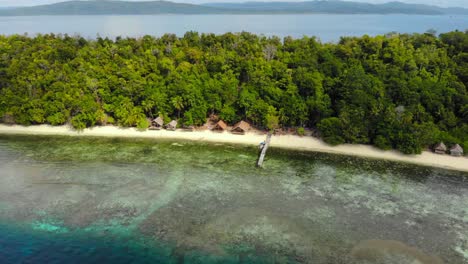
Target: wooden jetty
(264,150)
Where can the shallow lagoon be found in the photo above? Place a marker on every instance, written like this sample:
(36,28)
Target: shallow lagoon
(117,201)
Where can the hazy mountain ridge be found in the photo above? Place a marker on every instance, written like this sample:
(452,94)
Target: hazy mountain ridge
(108,7)
(341,7)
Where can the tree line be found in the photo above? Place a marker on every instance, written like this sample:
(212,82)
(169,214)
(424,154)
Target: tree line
(401,91)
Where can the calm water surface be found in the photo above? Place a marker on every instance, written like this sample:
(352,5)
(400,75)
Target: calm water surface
(326,27)
(70,200)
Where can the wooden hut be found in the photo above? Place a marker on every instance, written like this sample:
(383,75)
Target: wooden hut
(172,125)
(440,148)
(220,126)
(157,124)
(241,128)
(456,151)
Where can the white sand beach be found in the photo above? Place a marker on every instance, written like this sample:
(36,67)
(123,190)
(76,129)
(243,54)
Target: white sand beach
(283,141)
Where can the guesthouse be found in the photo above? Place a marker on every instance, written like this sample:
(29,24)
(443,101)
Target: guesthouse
(456,151)
(220,126)
(157,123)
(172,125)
(440,148)
(241,128)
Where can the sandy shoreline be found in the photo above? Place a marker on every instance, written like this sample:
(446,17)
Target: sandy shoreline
(286,141)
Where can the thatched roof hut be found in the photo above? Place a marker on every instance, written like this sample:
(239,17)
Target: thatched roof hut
(456,150)
(220,126)
(440,148)
(157,123)
(241,128)
(172,125)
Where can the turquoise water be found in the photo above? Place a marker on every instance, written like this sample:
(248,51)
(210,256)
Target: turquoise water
(72,200)
(19,244)
(325,27)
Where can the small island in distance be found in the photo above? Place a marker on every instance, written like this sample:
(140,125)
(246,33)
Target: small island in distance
(113,7)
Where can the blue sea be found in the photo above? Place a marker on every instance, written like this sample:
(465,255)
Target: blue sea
(326,27)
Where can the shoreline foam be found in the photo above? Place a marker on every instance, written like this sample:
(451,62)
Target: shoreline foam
(283,141)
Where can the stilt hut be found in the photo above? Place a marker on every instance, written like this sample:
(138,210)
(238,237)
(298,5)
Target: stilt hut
(220,126)
(440,148)
(172,125)
(157,124)
(241,128)
(456,151)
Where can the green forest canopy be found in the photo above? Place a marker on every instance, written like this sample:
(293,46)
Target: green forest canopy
(395,91)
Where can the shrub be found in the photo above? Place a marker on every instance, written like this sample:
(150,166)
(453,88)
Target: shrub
(330,128)
(382,143)
(78,122)
(334,140)
(228,114)
(57,119)
(8,118)
(143,124)
(300,131)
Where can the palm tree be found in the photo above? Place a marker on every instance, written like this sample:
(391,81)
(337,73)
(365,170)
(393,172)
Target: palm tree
(178,103)
(148,106)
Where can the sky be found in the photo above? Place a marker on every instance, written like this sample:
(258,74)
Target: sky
(443,3)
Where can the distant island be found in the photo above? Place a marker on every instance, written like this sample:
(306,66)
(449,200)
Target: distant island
(112,7)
